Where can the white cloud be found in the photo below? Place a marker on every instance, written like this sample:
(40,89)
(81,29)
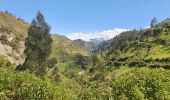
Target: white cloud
(147,27)
(105,35)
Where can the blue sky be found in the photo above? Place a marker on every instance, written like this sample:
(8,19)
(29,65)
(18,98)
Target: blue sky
(70,16)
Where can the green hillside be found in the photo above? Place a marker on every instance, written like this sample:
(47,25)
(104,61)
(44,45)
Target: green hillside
(144,48)
(11,22)
(65,49)
(132,66)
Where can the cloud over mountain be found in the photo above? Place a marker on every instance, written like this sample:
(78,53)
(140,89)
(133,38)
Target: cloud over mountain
(105,35)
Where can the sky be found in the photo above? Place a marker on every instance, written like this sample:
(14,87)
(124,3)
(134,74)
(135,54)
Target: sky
(76,17)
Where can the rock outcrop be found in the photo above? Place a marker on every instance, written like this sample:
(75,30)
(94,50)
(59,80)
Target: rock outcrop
(13,32)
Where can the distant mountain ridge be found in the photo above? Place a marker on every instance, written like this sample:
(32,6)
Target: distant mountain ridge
(97,41)
(65,49)
(88,46)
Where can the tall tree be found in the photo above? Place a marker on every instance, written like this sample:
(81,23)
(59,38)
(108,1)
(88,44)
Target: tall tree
(38,45)
(154,21)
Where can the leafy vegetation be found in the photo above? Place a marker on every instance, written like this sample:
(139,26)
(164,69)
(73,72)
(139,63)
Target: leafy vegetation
(38,46)
(4,62)
(123,83)
(24,85)
(144,48)
(132,66)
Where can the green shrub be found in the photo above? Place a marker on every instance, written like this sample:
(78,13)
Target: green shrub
(54,75)
(51,62)
(4,62)
(23,85)
(136,62)
(141,84)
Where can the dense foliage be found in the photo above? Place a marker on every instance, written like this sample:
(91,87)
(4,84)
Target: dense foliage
(23,85)
(141,84)
(124,83)
(38,46)
(120,41)
(144,48)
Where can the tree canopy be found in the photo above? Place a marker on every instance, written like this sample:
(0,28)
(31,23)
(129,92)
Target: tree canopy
(38,45)
(154,21)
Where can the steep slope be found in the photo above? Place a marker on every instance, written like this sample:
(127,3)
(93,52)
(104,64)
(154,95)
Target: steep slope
(119,41)
(64,49)
(12,34)
(148,48)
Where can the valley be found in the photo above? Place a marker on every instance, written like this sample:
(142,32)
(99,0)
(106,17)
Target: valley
(133,65)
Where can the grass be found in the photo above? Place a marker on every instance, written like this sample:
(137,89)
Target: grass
(123,71)
(65,49)
(11,22)
(63,66)
(159,51)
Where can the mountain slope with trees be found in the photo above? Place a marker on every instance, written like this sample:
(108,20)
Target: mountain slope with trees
(132,66)
(142,48)
(13,32)
(87,46)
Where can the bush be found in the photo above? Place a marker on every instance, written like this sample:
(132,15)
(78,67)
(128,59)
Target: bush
(141,84)
(54,75)
(136,62)
(23,85)
(117,64)
(51,62)
(4,62)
